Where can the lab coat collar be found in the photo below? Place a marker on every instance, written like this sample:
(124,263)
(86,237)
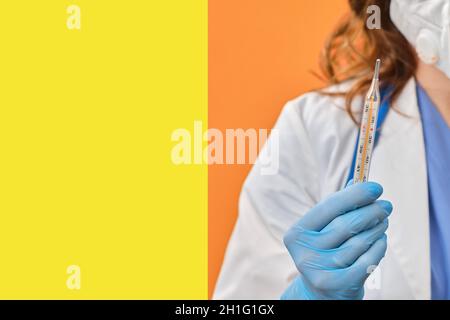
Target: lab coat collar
(399,164)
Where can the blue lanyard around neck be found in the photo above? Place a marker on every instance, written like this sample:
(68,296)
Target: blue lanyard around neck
(382,113)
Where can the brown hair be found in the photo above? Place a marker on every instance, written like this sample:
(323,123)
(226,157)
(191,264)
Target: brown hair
(352,48)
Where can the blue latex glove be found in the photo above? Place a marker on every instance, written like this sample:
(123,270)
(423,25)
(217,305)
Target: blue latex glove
(337,243)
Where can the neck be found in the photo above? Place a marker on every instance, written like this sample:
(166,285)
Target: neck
(437,86)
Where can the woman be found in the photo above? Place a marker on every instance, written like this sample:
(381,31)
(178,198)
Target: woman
(309,233)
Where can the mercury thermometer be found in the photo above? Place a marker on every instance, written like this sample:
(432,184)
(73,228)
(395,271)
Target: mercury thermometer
(368,129)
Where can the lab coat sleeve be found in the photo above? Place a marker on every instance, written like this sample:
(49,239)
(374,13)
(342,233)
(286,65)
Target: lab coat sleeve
(256,263)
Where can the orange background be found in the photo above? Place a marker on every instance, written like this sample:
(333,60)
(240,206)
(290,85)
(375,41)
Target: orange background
(261,54)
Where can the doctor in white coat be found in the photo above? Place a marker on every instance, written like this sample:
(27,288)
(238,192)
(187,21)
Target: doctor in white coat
(317,138)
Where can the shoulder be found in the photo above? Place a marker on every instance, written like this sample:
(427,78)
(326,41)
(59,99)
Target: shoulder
(316,106)
(319,113)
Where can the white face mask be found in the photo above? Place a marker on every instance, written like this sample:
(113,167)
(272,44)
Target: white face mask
(426,24)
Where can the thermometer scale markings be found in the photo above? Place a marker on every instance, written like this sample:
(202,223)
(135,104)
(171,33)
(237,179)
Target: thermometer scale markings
(368,129)
(366,140)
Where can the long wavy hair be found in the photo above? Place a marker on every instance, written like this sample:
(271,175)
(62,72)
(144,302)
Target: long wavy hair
(352,48)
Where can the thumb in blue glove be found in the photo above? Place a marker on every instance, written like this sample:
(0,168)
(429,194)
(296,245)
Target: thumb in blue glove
(337,243)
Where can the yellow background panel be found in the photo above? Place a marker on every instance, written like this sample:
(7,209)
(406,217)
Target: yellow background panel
(86,176)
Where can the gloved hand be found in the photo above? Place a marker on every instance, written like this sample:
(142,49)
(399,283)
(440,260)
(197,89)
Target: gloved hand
(338,243)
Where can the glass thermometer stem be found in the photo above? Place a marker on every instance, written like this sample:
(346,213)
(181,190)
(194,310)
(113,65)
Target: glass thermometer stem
(368,128)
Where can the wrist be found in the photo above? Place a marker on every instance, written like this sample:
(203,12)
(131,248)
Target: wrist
(299,290)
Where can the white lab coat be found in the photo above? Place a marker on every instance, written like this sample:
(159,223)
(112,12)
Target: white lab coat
(317,140)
